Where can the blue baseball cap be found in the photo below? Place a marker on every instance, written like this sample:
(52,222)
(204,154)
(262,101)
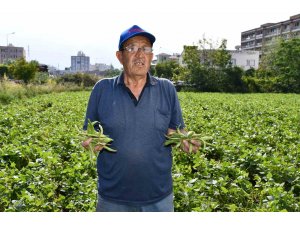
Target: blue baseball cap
(135,31)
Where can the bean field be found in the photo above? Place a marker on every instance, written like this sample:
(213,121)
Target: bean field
(252,164)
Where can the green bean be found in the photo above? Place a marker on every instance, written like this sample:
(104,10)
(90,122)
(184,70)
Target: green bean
(177,138)
(98,138)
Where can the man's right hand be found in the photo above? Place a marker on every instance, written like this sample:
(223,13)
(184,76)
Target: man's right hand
(87,142)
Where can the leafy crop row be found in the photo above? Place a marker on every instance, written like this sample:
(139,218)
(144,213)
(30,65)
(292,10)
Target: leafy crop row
(253,164)
(43,168)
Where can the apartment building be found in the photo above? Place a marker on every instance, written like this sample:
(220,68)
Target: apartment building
(11,52)
(257,38)
(80,63)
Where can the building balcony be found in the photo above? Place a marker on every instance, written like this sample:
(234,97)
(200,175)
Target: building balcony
(247,39)
(272,34)
(259,36)
(248,47)
(258,44)
(296,29)
(286,31)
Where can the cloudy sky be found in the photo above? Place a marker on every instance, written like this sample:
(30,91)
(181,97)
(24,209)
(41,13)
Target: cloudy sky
(51,31)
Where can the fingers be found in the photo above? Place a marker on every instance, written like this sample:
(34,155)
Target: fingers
(86,143)
(98,148)
(171,131)
(189,149)
(185,146)
(196,143)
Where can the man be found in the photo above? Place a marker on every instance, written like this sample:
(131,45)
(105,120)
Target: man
(136,110)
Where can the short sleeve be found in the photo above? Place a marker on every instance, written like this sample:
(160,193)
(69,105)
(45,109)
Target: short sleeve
(176,115)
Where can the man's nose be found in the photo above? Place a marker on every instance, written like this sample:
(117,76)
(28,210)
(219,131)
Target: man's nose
(140,51)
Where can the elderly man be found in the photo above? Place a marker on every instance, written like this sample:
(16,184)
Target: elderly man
(136,110)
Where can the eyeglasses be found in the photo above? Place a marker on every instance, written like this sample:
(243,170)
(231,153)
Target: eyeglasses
(135,49)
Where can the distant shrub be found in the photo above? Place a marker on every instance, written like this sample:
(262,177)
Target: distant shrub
(79,79)
(3,70)
(13,90)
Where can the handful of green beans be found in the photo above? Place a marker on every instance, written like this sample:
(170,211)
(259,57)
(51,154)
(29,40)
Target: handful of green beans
(98,138)
(176,139)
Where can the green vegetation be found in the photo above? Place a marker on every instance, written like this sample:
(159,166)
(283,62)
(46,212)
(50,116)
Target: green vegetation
(11,91)
(177,139)
(20,79)
(253,164)
(279,69)
(167,69)
(208,68)
(23,70)
(97,138)
(78,79)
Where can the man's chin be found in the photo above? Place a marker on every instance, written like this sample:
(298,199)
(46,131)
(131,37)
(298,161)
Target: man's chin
(140,71)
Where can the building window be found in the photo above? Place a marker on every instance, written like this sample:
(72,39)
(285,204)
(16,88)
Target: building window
(286,27)
(250,62)
(233,61)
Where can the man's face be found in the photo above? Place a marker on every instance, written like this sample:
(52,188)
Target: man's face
(135,63)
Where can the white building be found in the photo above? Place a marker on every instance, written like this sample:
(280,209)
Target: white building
(162,57)
(241,58)
(100,67)
(80,63)
(245,59)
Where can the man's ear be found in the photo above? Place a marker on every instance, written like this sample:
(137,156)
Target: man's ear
(120,56)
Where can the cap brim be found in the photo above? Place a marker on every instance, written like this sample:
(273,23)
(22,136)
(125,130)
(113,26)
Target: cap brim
(144,34)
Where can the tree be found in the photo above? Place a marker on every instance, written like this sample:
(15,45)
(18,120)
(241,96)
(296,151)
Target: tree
(208,66)
(23,70)
(193,72)
(234,80)
(287,63)
(112,72)
(221,68)
(282,63)
(167,69)
(41,77)
(152,69)
(221,58)
(250,72)
(3,70)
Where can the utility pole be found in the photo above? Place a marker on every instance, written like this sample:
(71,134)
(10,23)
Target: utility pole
(7,37)
(28,53)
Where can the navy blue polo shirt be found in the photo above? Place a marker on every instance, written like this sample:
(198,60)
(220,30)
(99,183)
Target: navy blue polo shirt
(139,173)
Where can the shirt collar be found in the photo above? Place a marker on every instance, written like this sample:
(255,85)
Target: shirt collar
(151,80)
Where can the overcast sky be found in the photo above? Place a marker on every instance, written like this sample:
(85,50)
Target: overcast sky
(54,30)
